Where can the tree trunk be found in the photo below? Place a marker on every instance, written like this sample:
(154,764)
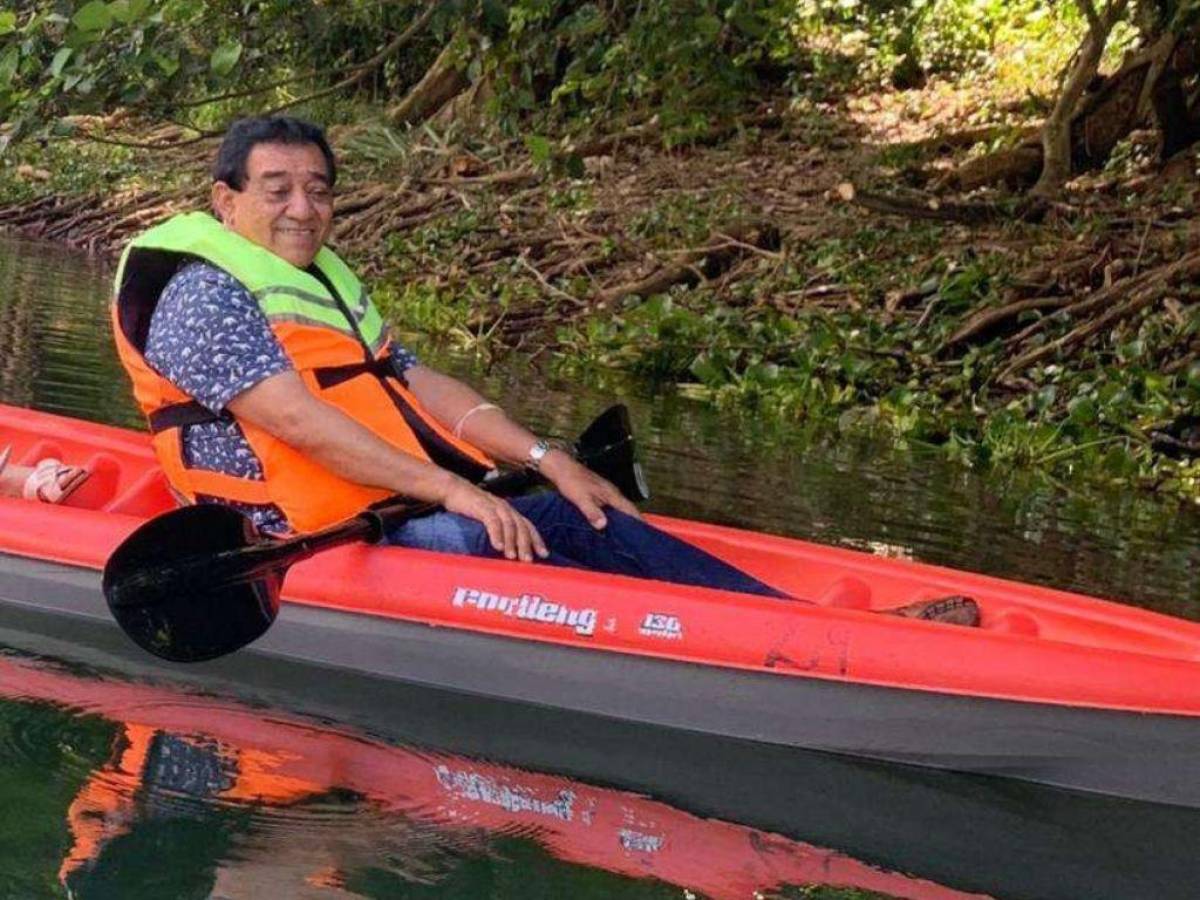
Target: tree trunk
(1056,133)
(1151,85)
(438,86)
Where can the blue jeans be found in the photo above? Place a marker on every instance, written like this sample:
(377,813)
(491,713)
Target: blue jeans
(626,546)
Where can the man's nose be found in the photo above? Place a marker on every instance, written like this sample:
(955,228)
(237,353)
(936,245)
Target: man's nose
(300,205)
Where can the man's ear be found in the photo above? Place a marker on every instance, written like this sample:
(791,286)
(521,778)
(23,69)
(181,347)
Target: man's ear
(222,201)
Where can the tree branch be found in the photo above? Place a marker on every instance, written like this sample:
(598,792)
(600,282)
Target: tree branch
(1089,12)
(357,72)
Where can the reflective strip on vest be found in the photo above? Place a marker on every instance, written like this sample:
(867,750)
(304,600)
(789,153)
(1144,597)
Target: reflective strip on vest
(284,303)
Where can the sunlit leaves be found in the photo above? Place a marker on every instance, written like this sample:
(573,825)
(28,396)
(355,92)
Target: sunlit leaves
(9,60)
(93,16)
(225,57)
(168,64)
(60,60)
(129,12)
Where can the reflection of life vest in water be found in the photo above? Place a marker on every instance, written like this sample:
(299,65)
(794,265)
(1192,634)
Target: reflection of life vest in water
(157,762)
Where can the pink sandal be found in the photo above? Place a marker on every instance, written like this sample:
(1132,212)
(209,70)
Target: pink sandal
(53,482)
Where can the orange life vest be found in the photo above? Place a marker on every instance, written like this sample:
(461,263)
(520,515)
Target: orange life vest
(334,338)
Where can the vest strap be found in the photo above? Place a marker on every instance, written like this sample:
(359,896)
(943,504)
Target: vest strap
(331,376)
(178,415)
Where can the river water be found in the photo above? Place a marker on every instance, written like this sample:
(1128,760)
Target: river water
(121,795)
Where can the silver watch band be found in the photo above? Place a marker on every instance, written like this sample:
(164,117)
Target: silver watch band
(536,454)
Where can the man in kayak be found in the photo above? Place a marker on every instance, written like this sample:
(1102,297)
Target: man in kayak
(271,384)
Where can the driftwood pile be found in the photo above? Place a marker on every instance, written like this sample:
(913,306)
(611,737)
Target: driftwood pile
(502,220)
(518,233)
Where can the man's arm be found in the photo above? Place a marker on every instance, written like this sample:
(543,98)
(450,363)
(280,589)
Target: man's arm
(448,400)
(283,407)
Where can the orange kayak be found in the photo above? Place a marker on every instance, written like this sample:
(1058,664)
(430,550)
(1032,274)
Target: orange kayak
(1054,687)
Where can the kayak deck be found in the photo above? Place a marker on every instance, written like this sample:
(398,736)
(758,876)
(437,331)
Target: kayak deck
(1034,644)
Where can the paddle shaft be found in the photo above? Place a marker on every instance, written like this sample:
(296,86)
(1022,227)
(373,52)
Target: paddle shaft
(275,557)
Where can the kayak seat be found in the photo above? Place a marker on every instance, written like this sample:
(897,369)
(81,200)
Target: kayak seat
(846,593)
(104,474)
(40,449)
(147,496)
(1013,621)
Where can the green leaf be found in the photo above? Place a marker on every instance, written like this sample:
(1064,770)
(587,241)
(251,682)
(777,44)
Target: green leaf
(574,167)
(168,64)
(127,12)
(539,149)
(1082,410)
(8,21)
(60,61)
(94,16)
(495,16)
(225,57)
(8,65)
(707,371)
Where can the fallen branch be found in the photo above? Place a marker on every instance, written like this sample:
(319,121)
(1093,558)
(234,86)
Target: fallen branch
(1142,291)
(704,262)
(986,321)
(935,209)
(550,289)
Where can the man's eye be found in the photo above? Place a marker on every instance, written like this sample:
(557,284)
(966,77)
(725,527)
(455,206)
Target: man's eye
(278,195)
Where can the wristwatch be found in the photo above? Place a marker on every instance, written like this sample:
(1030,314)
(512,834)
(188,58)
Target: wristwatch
(536,454)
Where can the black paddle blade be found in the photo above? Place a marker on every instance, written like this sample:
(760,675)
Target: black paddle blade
(195,584)
(606,447)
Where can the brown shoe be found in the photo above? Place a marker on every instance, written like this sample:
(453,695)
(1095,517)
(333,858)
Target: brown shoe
(950,610)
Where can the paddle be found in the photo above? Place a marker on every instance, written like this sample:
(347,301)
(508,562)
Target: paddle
(202,581)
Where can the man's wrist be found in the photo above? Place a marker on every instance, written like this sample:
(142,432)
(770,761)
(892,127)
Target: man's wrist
(554,461)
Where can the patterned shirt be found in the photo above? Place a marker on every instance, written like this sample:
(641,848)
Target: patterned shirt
(210,339)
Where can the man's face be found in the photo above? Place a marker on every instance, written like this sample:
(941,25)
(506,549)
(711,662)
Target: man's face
(286,203)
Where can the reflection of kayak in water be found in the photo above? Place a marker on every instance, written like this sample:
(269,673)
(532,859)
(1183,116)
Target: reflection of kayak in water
(1053,688)
(185,746)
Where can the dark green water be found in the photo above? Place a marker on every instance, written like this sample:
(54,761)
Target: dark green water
(175,831)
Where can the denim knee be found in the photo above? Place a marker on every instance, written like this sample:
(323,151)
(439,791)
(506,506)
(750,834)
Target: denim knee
(443,532)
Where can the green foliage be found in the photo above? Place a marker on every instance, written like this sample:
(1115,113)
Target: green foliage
(161,56)
(551,65)
(905,41)
(688,60)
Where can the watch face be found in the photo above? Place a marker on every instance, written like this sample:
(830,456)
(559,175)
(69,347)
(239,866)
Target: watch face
(537,451)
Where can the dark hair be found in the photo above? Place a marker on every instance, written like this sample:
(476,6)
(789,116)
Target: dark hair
(242,136)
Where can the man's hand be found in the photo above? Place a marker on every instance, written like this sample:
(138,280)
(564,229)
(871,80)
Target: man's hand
(583,487)
(510,532)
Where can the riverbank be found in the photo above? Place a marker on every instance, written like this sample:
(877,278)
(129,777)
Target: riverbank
(789,263)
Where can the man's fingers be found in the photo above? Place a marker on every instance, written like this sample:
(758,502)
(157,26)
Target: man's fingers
(524,538)
(511,540)
(591,510)
(495,531)
(614,497)
(539,545)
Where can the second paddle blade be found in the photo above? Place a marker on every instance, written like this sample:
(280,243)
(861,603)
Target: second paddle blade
(194,584)
(606,447)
